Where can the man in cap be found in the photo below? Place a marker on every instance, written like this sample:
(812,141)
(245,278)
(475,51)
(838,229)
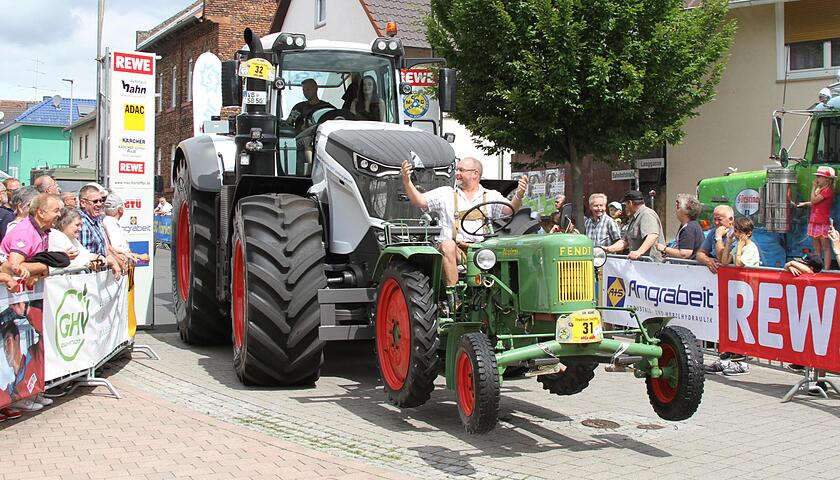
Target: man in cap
(644,229)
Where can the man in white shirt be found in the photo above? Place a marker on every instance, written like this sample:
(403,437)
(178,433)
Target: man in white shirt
(452,203)
(163,207)
(114,210)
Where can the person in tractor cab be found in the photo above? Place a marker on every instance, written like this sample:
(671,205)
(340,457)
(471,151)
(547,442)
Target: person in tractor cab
(303,109)
(452,204)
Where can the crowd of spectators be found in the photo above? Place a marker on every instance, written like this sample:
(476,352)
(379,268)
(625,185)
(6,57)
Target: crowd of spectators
(43,229)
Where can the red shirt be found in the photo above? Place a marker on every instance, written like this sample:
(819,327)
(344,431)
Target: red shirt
(820,212)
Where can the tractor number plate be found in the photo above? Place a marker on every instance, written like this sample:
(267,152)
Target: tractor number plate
(580,327)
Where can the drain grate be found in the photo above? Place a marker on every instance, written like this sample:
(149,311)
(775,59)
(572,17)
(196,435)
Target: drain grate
(599,423)
(650,426)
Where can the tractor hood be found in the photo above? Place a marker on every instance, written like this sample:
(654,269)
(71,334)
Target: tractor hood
(392,144)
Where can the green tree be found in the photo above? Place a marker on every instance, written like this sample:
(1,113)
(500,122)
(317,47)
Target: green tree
(559,79)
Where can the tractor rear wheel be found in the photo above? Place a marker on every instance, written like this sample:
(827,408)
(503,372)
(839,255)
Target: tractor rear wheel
(406,334)
(677,393)
(201,318)
(477,383)
(573,380)
(277,267)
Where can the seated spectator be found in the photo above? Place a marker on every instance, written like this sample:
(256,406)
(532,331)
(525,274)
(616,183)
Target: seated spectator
(745,253)
(29,238)
(20,203)
(807,264)
(114,210)
(600,228)
(65,238)
(163,207)
(93,234)
(690,235)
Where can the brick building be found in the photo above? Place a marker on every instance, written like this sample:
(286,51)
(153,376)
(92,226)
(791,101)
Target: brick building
(203,26)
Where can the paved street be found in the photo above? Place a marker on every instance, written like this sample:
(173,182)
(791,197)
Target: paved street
(187,416)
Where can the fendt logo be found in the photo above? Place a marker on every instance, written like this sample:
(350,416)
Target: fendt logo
(615,292)
(132,167)
(127,62)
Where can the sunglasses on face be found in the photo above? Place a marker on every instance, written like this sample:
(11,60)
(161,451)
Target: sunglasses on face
(98,200)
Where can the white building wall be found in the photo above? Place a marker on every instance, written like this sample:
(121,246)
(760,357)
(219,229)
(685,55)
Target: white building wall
(495,166)
(87,159)
(346,21)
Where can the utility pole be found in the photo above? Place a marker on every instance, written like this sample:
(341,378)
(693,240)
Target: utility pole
(100,105)
(70,120)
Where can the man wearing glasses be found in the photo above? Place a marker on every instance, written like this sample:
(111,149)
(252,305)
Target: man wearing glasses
(92,235)
(11,185)
(6,215)
(452,203)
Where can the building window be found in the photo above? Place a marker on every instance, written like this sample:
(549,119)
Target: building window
(160,92)
(811,38)
(189,80)
(174,86)
(320,13)
(80,148)
(158,162)
(16,143)
(86,146)
(2,148)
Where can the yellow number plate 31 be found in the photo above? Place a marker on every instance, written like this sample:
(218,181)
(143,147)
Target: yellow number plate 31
(583,326)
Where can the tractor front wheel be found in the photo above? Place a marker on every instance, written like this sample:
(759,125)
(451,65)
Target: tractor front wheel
(677,393)
(406,334)
(477,383)
(573,380)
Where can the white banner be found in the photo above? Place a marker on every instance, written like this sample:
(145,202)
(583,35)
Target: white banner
(687,293)
(85,319)
(131,166)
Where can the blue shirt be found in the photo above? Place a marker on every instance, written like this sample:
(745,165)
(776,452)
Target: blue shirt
(93,234)
(708,245)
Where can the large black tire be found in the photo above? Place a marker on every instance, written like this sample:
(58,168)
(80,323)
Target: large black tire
(201,318)
(574,380)
(406,334)
(477,383)
(677,400)
(277,267)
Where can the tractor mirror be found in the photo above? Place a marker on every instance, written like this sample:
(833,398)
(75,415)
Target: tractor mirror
(784,158)
(231,84)
(446,89)
(566,224)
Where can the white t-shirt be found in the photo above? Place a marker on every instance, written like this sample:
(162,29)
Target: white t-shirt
(115,235)
(164,209)
(442,201)
(59,242)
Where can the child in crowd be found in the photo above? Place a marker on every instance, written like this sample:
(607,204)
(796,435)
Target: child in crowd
(807,264)
(745,252)
(822,198)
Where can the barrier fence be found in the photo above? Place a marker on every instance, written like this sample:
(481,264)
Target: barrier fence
(63,329)
(760,312)
(163,230)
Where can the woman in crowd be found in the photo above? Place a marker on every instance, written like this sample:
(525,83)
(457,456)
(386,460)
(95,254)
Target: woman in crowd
(20,204)
(368,105)
(690,235)
(65,238)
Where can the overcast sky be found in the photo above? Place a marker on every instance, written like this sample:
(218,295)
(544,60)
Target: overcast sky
(61,35)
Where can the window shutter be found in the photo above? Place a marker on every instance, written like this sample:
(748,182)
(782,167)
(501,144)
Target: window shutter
(810,20)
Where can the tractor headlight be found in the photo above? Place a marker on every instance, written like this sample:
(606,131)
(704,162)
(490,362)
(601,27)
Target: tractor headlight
(599,257)
(485,259)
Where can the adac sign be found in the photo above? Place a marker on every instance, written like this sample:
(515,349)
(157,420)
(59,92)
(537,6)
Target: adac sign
(71,318)
(615,292)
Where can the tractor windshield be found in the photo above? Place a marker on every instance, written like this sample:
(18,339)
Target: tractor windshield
(828,141)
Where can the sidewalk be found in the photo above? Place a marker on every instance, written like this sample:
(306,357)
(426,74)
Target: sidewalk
(93,435)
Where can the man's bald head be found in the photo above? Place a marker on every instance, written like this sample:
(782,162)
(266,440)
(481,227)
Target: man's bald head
(472,163)
(723,215)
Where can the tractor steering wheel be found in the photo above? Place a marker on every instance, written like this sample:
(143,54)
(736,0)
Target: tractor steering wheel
(493,223)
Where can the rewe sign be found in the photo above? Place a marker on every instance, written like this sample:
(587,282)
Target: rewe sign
(776,316)
(132,63)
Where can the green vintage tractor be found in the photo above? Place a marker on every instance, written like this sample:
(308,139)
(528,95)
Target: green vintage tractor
(523,303)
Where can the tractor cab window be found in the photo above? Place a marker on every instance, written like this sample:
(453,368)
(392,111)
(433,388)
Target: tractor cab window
(828,141)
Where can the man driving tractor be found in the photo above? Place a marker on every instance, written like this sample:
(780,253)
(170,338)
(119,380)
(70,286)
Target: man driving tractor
(452,203)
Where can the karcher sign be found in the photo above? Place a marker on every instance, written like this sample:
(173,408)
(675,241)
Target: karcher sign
(650,287)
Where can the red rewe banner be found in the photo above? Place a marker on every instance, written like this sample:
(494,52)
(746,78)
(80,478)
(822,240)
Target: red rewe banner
(419,77)
(127,62)
(776,316)
(132,167)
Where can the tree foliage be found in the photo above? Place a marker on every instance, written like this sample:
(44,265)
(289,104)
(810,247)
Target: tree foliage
(564,78)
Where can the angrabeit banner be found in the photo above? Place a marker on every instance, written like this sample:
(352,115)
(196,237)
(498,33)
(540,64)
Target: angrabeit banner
(21,328)
(773,315)
(85,319)
(687,293)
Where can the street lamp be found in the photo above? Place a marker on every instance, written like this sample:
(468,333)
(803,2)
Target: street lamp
(70,122)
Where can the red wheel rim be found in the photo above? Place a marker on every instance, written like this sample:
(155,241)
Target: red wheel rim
(183,252)
(238,294)
(393,335)
(464,383)
(662,387)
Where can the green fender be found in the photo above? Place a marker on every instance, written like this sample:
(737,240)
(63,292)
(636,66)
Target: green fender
(654,325)
(425,257)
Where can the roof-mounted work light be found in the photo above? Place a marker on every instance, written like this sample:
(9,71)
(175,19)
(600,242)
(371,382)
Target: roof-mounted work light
(392,47)
(289,41)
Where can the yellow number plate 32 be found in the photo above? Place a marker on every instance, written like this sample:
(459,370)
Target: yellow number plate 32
(583,326)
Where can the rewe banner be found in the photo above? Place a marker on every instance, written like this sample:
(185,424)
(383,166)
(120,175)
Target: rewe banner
(774,315)
(687,293)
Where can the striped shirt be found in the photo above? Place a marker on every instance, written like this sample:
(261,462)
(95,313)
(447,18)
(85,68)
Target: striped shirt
(93,234)
(602,231)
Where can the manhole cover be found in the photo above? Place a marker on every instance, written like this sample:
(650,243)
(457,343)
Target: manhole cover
(650,426)
(599,423)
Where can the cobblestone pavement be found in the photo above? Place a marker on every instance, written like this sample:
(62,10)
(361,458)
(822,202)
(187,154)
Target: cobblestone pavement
(740,430)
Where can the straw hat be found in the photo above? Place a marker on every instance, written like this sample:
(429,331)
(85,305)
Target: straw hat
(825,171)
